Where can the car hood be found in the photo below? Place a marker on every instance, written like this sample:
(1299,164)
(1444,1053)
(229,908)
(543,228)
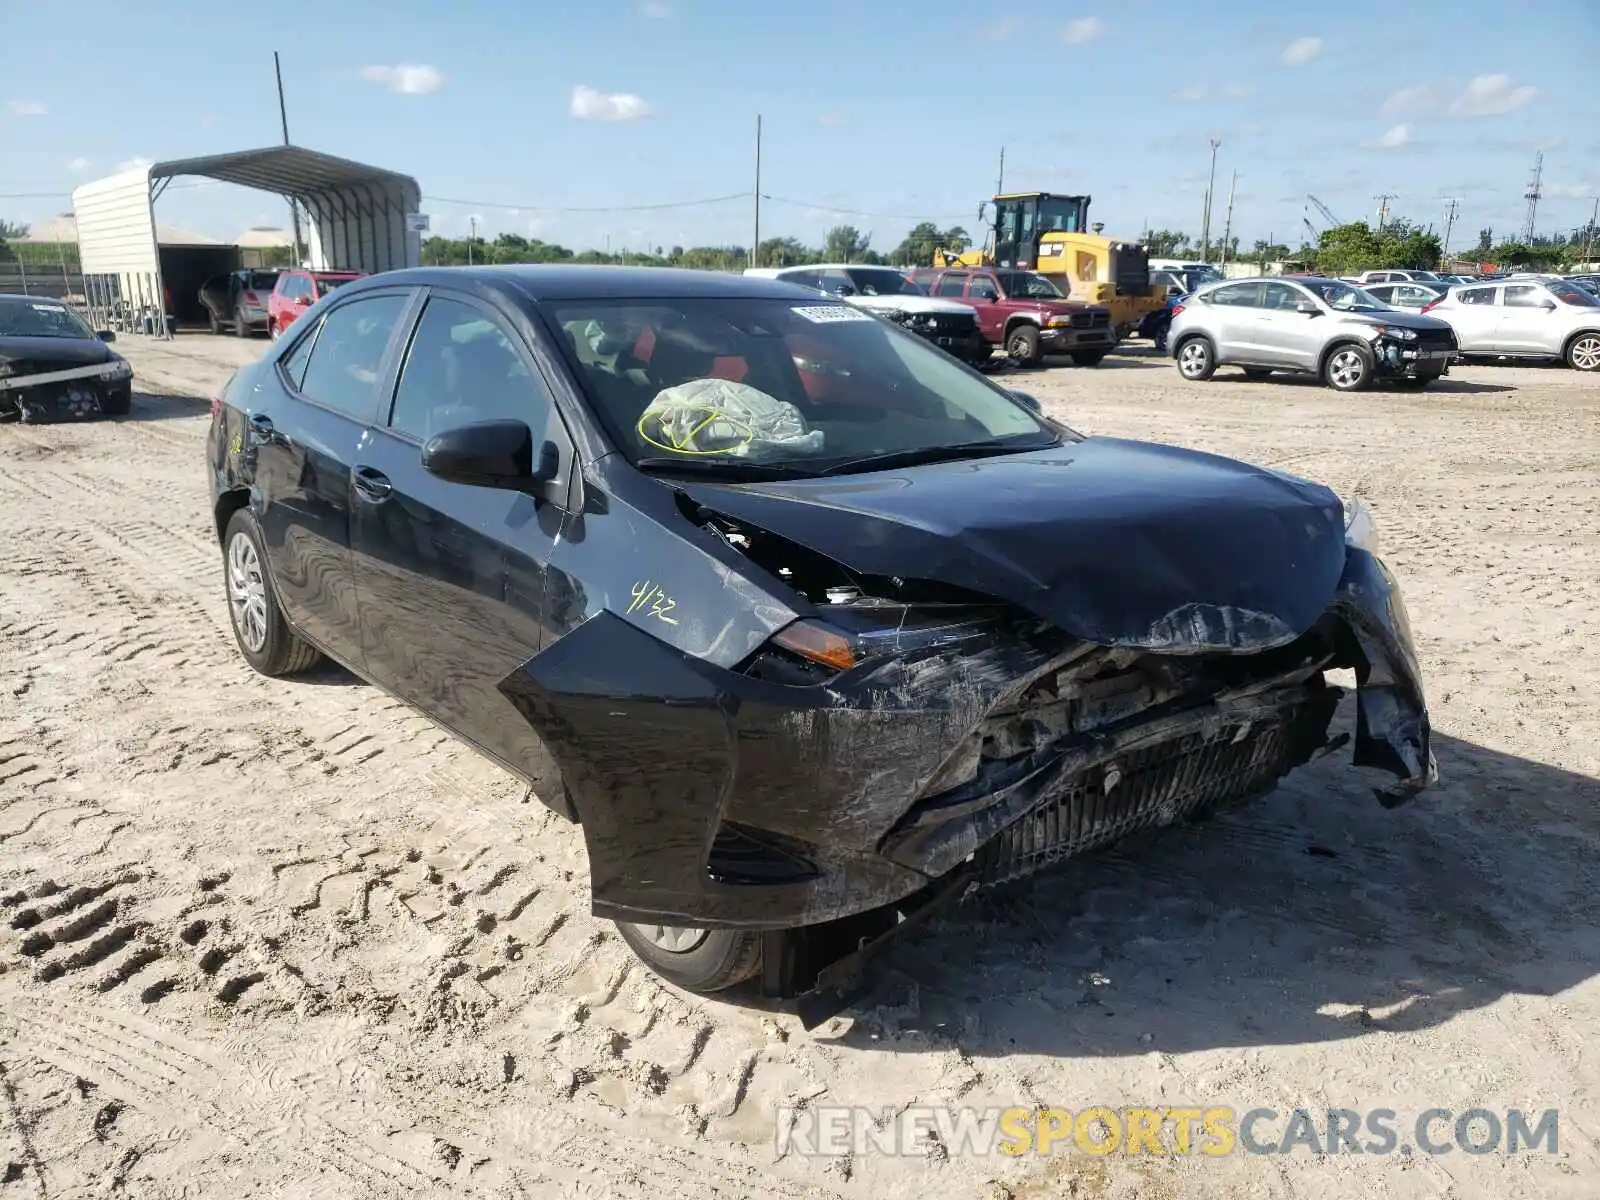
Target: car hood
(912,304)
(1116,542)
(54,353)
(1403,318)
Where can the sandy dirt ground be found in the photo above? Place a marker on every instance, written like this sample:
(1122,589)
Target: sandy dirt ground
(290,939)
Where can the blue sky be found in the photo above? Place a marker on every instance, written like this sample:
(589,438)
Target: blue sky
(897,110)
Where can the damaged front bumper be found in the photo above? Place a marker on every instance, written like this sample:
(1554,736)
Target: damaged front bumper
(49,395)
(754,799)
(1397,359)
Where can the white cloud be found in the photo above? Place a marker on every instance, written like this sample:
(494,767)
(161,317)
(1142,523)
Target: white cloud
(26,108)
(590,104)
(1574,191)
(1201,92)
(79,164)
(1002,29)
(655,10)
(831,119)
(1394,137)
(409,79)
(1084,29)
(1302,50)
(1492,95)
(1419,97)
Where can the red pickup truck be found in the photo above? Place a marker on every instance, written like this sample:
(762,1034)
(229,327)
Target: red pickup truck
(1025,314)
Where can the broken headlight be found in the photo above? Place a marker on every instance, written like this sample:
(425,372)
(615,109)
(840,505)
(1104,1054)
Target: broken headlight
(117,370)
(812,650)
(1398,332)
(1359,529)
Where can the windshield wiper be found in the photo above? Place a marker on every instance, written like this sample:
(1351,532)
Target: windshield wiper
(933,454)
(725,468)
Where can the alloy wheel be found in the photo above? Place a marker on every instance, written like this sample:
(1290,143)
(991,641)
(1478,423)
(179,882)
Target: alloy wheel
(1192,359)
(247,593)
(676,939)
(1347,368)
(1585,353)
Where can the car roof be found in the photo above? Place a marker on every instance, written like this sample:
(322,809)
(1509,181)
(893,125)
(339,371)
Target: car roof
(840,267)
(575,282)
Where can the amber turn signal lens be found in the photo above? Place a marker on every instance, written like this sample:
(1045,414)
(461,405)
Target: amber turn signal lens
(810,639)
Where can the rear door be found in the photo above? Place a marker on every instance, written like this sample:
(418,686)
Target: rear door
(452,578)
(303,436)
(1231,319)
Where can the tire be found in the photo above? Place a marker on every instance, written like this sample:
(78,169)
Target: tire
(712,960)
(1023,342)
(1583,354)
(1257,374)
(1349,367)
(1197,362)
(240,328)
(278,650)
(213,324)
(1088,358)
(273,331)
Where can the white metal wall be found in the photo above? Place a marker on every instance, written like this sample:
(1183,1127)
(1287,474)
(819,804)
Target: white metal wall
(362,228)
(116,225)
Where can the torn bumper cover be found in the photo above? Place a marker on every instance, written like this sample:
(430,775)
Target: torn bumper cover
(989,747)
(42,393)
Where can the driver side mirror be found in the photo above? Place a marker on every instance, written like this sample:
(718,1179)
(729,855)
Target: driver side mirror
(105,335)
(1028,400)
(492,454)
(1308,308)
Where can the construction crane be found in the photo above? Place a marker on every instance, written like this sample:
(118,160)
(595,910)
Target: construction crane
(1326,216)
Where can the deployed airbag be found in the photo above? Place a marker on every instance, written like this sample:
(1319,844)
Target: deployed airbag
(719,416)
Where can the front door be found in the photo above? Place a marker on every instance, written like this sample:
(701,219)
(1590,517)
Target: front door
(1286,336)
(451,577)
(1525,320)
(302,439)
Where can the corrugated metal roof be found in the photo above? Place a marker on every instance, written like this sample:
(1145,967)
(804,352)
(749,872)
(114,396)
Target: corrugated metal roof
(286,170)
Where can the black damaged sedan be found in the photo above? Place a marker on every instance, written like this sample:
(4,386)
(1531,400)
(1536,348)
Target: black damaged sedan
(807,624)
(53,367)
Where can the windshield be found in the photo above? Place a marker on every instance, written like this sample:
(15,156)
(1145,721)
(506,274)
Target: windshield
(883,283)
(262,281)
(1026,285)
(744,384)
(1059,215)
(326,283)
(40,318)
(1572,293)
(1342,297)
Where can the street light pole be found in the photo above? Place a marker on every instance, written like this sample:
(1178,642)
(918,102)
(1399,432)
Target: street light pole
(1205,225)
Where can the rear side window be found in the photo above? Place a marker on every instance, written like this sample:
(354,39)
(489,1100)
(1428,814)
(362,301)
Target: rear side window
(462,369)
(1476,296)
(1236,295)
(344,366)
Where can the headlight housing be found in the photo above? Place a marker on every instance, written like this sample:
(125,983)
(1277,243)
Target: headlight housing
(116,369)
(1360,530)
(1398,332)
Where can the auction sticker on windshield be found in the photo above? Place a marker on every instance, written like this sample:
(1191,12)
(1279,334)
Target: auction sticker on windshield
(829,314)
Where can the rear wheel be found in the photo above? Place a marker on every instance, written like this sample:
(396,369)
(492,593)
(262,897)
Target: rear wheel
(1257,373)
(264,637)
(1023,342)
(1349,368)
(1584,353)
(212,323)
(240,328)
(698,960)
(1195,360)
(1088,358)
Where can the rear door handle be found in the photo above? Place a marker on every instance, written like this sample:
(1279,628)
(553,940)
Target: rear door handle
(372,484)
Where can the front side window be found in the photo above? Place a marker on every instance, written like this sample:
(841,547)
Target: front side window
(983,288)
(1029,285)
(463,369)
(1524,297)
(951,285)
(711,384)
(1342,297)
(343,370)
(808,279)
(1282,296)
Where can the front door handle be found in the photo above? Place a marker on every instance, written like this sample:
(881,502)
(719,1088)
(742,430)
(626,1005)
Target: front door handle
(372,484)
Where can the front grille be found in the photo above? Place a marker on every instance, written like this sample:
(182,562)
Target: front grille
(1091,320)
(1138,790)
(1436,339)
(942,325)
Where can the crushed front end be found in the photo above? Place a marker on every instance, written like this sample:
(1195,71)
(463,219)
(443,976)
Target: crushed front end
(1402,352)
(38,393)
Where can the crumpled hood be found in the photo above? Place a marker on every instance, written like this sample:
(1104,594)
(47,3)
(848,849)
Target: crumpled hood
(912,304)
(1401,318)
(54,353)
(1116,542)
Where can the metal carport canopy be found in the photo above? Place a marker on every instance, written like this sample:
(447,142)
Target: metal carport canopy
(357,212)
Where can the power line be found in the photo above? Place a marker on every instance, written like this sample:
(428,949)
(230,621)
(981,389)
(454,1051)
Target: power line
(616,208)
(857,212)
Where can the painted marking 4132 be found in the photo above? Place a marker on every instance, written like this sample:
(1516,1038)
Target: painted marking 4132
(649,599)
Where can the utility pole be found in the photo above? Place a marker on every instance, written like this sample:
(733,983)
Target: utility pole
(472,239)
(1588,234)
(1227,223)
(755,241)
(1205,221)
(1383,199)
(1532,196)
(1449,224)
(283,117)
(1000,183)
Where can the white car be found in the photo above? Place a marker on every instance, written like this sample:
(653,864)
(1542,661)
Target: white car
(951,326)
(1525,318)
(1392,276)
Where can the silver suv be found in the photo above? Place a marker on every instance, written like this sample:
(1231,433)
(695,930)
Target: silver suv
(1525,318)
(1307,326)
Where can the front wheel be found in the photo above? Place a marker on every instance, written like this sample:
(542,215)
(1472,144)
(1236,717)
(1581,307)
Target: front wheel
(240,327)
(264,637)
(1348,369)
(212,323)
(1195,360)
(1088,358)
(697,960)
(1584,353)
(1023,343)
(273,330)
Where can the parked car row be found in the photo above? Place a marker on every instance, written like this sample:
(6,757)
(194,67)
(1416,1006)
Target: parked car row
(254,301)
